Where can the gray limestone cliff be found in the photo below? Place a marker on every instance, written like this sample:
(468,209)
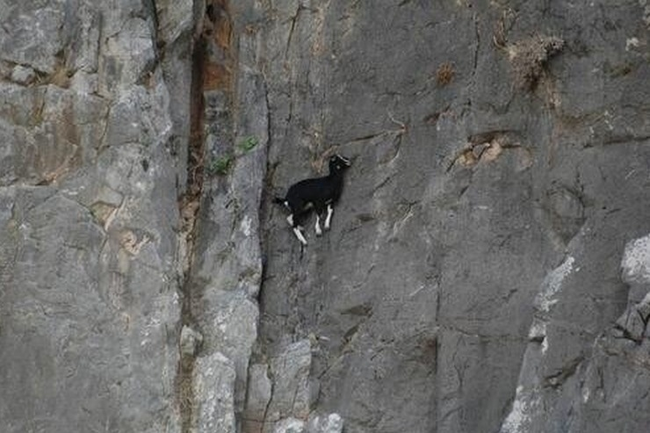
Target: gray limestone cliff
(488,265)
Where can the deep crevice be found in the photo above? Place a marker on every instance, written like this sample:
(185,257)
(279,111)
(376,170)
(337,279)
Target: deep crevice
(213,30)
(189,206)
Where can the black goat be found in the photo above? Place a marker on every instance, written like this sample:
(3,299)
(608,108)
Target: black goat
(319,194)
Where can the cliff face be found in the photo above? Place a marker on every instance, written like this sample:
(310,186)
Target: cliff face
(488,265)
(89,260)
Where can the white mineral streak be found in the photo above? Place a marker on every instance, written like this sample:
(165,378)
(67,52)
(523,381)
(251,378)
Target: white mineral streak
(636,261)
(553,283)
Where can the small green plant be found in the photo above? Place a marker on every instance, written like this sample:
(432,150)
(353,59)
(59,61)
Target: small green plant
(248,143)
(220,166)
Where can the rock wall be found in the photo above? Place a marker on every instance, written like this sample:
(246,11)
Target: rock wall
(471,280)
(487,267)
(89,259)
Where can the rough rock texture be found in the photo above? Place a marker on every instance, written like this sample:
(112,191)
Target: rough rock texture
(488,265)
(331,423)
(291,391)
(89,309)
(215,383)
(499,152)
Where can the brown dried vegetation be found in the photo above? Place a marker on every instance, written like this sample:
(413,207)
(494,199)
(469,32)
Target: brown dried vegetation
(530,57)
(445,74)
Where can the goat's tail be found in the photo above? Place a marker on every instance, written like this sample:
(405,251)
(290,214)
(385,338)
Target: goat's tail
(282,202)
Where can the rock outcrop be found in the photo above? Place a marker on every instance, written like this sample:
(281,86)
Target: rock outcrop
(488,264)
(89,259)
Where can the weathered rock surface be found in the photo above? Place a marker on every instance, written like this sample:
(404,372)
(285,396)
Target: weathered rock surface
(331,423)
(190,341)
(488,265)
(88,264)
(498,151)
(568,376)
(258,395)
(215,383)
(291,390)
(318,424)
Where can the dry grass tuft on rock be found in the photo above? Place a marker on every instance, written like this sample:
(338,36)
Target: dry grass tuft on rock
(445,74)
(529,58)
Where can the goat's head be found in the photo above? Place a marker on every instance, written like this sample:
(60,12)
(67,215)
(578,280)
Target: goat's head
(338,163)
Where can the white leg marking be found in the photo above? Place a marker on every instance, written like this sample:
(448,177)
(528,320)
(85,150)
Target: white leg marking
(299,235)
(290,219)
(318,230)
(329,217)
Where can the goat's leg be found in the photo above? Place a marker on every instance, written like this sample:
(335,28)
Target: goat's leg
(297,228)
(319,211)
(328,219)
(299,235)
(295,213)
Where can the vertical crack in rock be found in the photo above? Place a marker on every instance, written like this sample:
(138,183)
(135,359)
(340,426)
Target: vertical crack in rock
(189,205)
(477,32)
(110,111)
(212,380)
(293,19)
